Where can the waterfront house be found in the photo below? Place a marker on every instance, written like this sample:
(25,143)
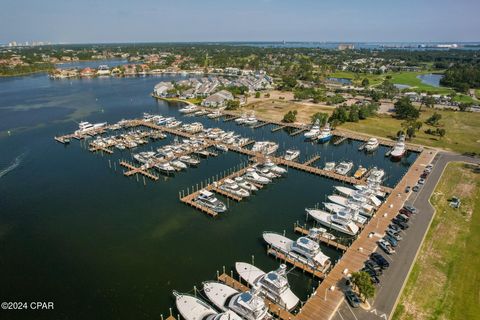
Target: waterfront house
(218,99)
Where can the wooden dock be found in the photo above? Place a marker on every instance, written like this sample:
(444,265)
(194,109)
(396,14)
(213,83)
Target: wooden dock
(312,160)
(278,128)
(298,264)
(339,139)
(261,124)
(297,132)
(274,308)
(327,241)
(230,118)
(135,170)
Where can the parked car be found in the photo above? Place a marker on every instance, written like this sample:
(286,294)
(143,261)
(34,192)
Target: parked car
(407,189)
(394,228)
(416,188)
(429,166)
(400,223)
(411,209)
(352,298)
(380,260)
(421,181)
(372,275)
(405,212)
(386,246)
(402,217)
(391,240)
(393,234)
(372,265)
(424,175)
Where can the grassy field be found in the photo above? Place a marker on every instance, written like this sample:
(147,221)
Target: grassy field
(462,133)
(444,282)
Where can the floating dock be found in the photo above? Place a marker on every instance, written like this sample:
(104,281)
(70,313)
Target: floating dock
(327,241)
(312,160)
(278,128)
(298,264)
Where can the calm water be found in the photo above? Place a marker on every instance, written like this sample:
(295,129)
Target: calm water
(431,79)
(341,80)
(102,246)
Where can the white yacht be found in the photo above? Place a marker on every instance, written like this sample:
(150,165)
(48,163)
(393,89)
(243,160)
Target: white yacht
(337,221)
(272,285)
(244,184)
(376,175)
(192,308)
(355,194)
(189,109)
(265,172)
(270,165)
(265,147)
(85,126)
(291,154)
(241,119)
(189,160)
(250,120)
(208,199)
(303,249)
(372,187)
(221,147)
(399,149)
(232,187)
(173,124)
(314,131)
(248,304)
(314,233)
(165,167)
(353,211)
(177,164)
(371,145)
(252,176)
(350,203)
(344,167)
(329,166)
(215,114)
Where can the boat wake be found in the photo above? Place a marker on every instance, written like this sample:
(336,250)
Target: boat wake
(16,162)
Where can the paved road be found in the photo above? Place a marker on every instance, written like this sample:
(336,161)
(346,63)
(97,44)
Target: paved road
(391,282)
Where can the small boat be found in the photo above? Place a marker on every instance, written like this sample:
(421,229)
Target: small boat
(291,154)
(314,131)
(249,305)
(314,233)
(371,145)
(221,147)
(344,167)
(230,186)
(325,135)
(329,166)
(207,199)
(244,184)
(360,172)
(303,249)
(339,222)
(272,285)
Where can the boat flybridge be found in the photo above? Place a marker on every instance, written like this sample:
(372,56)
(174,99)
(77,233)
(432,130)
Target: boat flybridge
(303,249)
(271,166)
(252,176)
(372,145)
(244,184)
(85,126)
(326,134)
(314,131)
(351,203)
(338,221)
(356,214)
(249,305)
(232,187)
(344,167)
(368,193)
(272,285)
(192,308)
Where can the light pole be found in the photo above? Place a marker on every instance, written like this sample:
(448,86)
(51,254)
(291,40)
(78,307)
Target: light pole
(328,289)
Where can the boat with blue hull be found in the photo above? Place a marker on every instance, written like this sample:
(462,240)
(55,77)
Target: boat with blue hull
(325,135)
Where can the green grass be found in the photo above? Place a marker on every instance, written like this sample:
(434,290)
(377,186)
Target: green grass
(477,93)
(374,79)
(444,282)
(410,79)
(464,98)
(462,133)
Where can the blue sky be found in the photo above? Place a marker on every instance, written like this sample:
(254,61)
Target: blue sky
(85,21)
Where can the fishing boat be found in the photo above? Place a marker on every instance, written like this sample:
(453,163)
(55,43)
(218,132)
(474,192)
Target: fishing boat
(371,145)
(244,184)
(272,285)
(329,166)
(314,131)
(360,172)
(291,154)
(341,222)
(326,134)
(303,249)
(344,167)
(192,308)
(399,149)
(230,186)
(207,199)
(249,305)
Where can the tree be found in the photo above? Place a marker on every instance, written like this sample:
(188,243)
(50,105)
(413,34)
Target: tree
(232,104)
(427,101)
(441,132)
(362,281)
(411,127)
(353,114)
(404,109)
(322,118)
(288,82)
(257,94)
(290,116)
(434,119)
(365,82)
(339,115)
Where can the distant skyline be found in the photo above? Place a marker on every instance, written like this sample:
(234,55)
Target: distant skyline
(89,21)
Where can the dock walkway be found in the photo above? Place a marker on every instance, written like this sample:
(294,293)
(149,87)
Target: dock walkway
(327,241)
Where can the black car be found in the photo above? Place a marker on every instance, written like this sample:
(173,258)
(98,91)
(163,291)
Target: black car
(380,260)
(372,265)
(352,298)
(394,228)
(400,223)
(410,209)
(402,217)
(407,189)
(372,275)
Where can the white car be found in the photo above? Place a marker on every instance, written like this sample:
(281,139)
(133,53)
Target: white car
(387,247)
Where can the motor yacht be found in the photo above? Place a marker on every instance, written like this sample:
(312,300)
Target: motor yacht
(177,164)
(325,135)
(189,160)
(244,184)
(252,176)
(221,147)
(271,166)
(265,147)
(272,285)
(232,187)
(315,233)
(291,154)
(173,124)
(241,119)
(208,200)
(249,305)
(314,131)
(360,172)
(192,308)
(329,166)
(189,109)
(344,167)
(338,221)
(303,249)
(251,120)
(350,202)
(376,175)
(165,167)
(399,149)
(371,145)
(215,114)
